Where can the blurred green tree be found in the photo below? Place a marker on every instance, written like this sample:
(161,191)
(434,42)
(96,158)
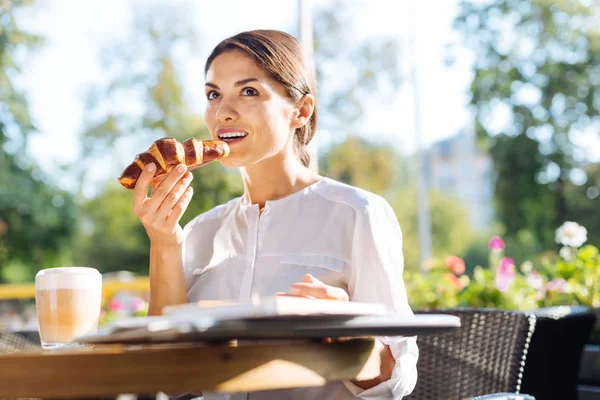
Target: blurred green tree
(351,70)
(451,230)
(37,219)
(143,100)
(141,97)
(374,172)
(536,89)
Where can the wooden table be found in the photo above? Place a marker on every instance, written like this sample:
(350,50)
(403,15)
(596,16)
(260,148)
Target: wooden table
(257,363)
(109,370)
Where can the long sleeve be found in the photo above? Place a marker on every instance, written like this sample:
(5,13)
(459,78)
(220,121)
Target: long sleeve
(376,276)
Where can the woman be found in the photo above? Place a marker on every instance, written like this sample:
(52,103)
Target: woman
(292,231)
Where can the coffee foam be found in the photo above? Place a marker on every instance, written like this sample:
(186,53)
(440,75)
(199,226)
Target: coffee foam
(68,278)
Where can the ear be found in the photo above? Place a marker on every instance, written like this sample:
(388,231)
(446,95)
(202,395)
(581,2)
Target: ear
(303,111)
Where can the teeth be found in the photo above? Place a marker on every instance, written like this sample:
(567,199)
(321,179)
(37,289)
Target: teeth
(232,135)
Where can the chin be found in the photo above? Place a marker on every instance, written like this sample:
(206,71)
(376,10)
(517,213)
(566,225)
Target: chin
(232,162)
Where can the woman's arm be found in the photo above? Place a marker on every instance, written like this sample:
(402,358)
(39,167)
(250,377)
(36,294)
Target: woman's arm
(167,281)
(160,215)
(375,276)
(382,355)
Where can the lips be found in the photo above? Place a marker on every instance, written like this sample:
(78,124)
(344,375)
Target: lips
(231,135)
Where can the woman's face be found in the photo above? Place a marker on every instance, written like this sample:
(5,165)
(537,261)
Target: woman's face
(248,109)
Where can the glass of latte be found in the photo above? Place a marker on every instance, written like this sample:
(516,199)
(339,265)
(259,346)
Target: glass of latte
(68,302)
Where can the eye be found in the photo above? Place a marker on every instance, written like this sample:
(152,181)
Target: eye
(249,92)
(212,95)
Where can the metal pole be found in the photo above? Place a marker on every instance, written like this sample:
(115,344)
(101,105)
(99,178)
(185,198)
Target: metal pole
(423,218)
(306,39)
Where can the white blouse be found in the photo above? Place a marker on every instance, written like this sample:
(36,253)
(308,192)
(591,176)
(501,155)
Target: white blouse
(343,236)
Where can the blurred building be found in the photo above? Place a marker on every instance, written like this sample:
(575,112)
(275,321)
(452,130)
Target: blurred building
(456,167)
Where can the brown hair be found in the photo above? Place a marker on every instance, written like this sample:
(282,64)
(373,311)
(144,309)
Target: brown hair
(282,57)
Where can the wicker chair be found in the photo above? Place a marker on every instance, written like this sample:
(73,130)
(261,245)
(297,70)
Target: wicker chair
(485,355)
(552,367)
(504,396)
(20,340)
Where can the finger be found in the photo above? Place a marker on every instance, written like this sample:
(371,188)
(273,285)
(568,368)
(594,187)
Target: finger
(164,187)
(180,207)
(332,292)
(319,290)
(308,278)
(140,191)
(283,294)
(173,197)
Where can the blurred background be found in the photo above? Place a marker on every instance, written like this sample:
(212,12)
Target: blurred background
(474,119)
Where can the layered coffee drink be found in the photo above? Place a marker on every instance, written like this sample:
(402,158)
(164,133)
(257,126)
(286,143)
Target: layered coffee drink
(68,302)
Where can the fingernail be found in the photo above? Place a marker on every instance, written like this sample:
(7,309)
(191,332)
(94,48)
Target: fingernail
(151,167)
(181,168)
(295,290)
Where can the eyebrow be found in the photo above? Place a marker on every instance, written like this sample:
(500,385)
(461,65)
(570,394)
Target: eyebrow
(238,83)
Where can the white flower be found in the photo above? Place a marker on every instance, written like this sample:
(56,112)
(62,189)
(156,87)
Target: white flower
(565,253)
(535,280)
(571,234)
(527,267)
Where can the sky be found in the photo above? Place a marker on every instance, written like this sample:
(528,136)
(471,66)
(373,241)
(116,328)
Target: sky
(56,76)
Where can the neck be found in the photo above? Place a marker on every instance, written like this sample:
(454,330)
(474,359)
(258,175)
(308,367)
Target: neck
(275,178)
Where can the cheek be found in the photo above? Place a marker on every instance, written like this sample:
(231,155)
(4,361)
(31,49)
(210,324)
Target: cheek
(209,117)
(276,119)
(264,119)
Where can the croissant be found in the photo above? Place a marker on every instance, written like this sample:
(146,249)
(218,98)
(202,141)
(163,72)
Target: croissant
(167,153)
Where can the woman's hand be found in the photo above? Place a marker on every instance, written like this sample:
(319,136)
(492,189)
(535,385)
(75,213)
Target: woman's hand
(160,214)
(313,288)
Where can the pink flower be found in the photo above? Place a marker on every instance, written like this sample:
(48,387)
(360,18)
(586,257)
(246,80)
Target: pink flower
(456,264)
(496,244)
(556,284)
(454,280)
(138,304)
(505,275)
(115,305)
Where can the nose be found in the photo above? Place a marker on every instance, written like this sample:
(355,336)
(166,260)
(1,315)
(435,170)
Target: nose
(226,112)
